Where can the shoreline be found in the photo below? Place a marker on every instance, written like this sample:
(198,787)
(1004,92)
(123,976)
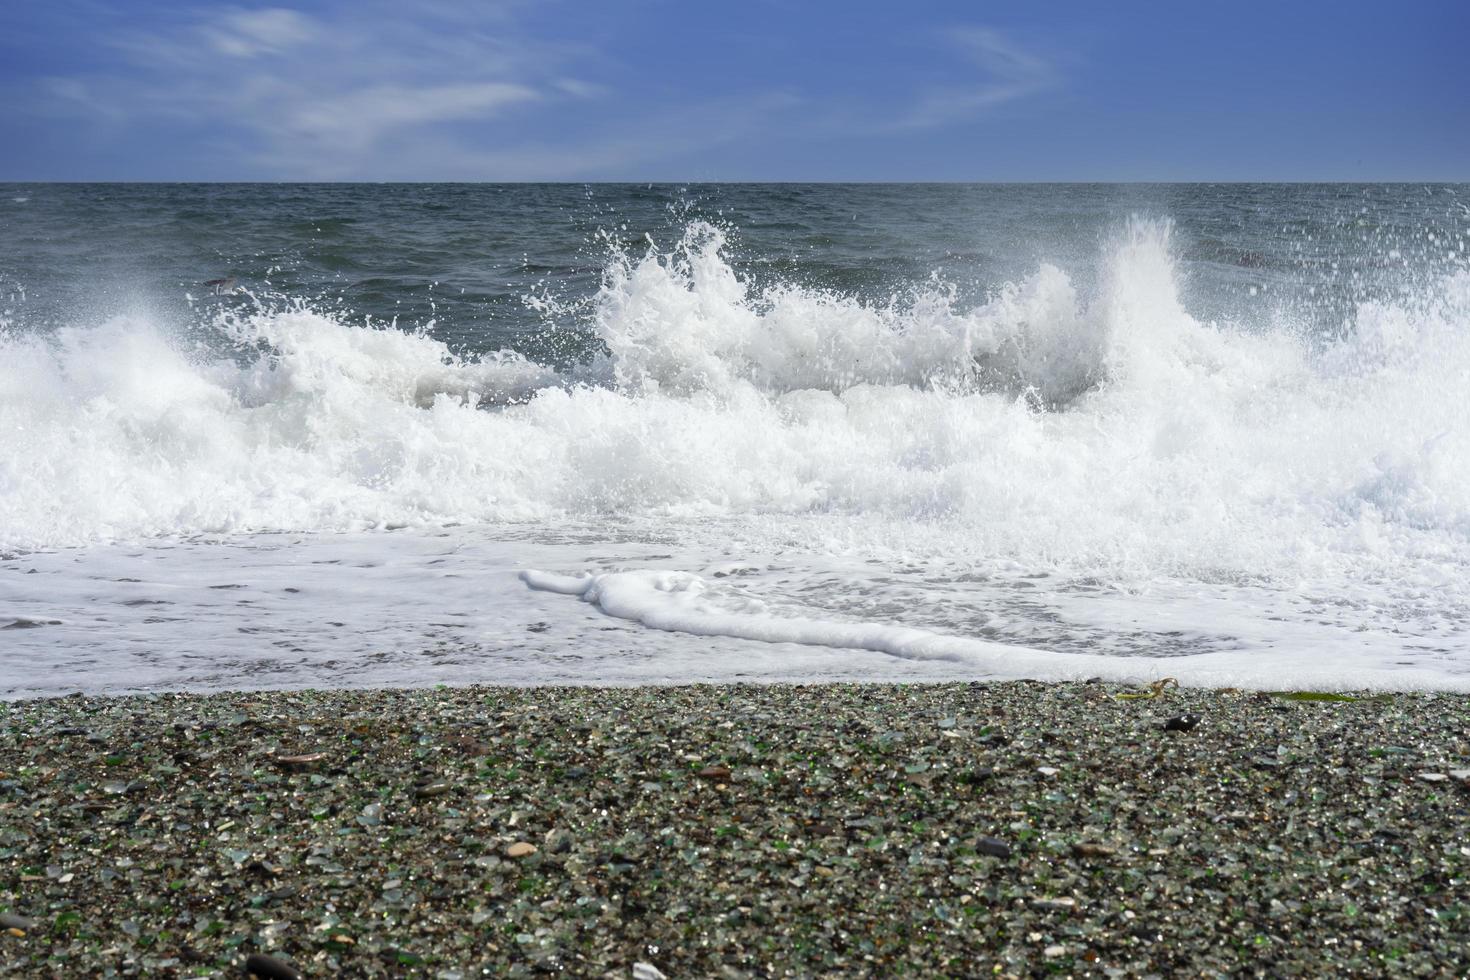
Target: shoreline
(943,829)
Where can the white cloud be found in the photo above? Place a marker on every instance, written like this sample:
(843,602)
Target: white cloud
(331,94)
(577,87)
(249,33)
(1007,72)
(651,139)
(374,89)
(358,119)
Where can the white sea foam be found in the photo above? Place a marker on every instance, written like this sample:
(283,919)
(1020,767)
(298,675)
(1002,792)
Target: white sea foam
(1110,438)
(681,602)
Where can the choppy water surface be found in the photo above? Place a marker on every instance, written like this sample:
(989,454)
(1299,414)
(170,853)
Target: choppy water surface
(642,434)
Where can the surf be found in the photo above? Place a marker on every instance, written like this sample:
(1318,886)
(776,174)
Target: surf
(1110,434)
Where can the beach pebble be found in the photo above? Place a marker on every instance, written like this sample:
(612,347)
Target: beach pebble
(647,971)
(520,849)
(431,790)
(12,921)
(1063,904)
(1433,777)
(300,763)
(269,968)
(471,746)
(813,812)
(1181,723)
(993,846)
(714,772)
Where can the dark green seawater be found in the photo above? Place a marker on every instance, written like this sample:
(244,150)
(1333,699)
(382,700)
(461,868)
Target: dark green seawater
(464,258)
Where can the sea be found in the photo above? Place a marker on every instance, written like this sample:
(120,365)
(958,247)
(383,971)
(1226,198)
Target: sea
(653,434)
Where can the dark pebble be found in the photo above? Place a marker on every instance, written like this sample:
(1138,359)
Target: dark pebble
(431,790)
(1182,723)
(10,921)
(269,968)
(993,846)
(1196,831)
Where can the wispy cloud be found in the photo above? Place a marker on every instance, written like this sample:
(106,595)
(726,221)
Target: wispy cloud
(650,140)
(357,121)
(248,33)
(331,93)
(448,89)
(1003,72)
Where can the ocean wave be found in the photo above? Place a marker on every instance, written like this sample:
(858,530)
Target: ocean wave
(1113,432)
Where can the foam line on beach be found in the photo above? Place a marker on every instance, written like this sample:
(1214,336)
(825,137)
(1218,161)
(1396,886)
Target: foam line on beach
(681,602)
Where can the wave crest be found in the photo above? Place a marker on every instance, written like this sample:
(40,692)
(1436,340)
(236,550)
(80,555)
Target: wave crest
(1183,448)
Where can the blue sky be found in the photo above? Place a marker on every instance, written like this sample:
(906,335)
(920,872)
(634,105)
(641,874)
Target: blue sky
(754,90)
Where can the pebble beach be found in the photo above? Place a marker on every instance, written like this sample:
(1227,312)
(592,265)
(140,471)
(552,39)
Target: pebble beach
(1009,829)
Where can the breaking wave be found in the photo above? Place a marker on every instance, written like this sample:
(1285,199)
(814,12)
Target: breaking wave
(1111,432)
